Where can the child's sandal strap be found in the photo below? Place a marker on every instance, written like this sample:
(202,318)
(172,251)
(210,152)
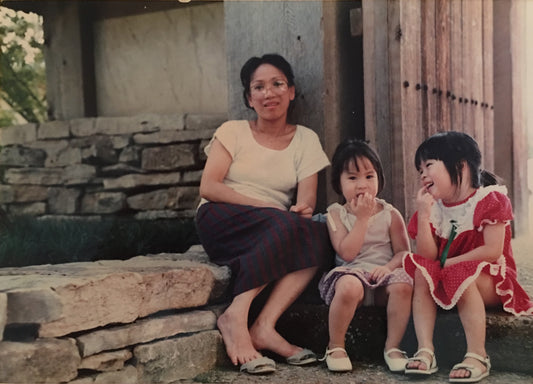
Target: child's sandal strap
(483,360)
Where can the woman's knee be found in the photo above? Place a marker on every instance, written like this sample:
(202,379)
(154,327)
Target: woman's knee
(349,288)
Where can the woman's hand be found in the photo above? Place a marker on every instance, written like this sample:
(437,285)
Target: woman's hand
(303,210)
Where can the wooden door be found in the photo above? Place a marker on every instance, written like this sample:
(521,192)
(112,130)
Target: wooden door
(428,67)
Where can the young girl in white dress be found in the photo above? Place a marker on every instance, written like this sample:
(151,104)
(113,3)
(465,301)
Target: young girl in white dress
(370,239)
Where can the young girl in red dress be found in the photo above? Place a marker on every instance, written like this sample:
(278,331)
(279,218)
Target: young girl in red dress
(464,256)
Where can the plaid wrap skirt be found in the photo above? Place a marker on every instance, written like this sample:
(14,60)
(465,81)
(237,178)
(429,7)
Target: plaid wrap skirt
(261,245)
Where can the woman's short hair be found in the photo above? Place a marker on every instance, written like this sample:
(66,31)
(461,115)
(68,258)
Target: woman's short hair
(253,63)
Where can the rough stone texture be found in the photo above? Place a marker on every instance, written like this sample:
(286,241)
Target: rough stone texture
(32,209)
(133,181)
(145,330)
(106,361)
(171,198)
(53,130)
(67,298)
(31,362)
(168,157)
(128,375)
(166,137)
(180,358)
(63,200)
(40,176)
(196,121)
(30,193)
(3,313)
(103,202)
(131,155)
(18,156)
(20,134)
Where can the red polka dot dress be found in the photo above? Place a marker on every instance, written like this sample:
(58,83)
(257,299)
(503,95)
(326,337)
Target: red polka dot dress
(488,205)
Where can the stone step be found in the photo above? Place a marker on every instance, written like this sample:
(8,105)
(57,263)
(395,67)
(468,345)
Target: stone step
(363,373)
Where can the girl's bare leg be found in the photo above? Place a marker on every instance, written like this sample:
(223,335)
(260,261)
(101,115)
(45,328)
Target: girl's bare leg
(349,293)
(424,316)
(285,292)
(471,308)
(398,313)
(233,325)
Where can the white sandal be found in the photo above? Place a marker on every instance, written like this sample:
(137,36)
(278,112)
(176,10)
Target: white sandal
(431,365)
(340,364)
(475,373)
(395,364)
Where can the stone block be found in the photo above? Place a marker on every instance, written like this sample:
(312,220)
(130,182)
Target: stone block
(131,154)
(3,313)
(191,177)
(167,137)
(126,290)
(53,130)
(18,156)
(128,375)
(28,193)
(78,174)
(42,361)
(171,198)
(168,157)
(145,330)
(82,127)
(31,209)
(32,305)
(39,176)
(156,215)
(7,194)
(180,358)
(135,180)
(19,134)
(103,202)
(63,200)
(201,121)
(106,361)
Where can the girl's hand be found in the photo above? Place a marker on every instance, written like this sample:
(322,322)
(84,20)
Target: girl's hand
(424,202)
(302,209)
(363,205)
(379,272)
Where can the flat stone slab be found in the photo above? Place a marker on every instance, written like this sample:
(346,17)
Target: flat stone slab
(67,298)
(24,362)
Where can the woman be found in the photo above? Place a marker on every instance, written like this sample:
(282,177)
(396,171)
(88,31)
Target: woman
(246,219)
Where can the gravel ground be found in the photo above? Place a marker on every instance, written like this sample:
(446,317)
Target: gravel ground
(362,373)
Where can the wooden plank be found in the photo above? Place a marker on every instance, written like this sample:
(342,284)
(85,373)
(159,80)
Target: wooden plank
(456,65)
(430,95)
(396,89)
(464,99)
(376,82)
(488,84)
(442,29)
(411,100)
(476,53)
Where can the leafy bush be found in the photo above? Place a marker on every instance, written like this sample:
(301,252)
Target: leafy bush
(28,241)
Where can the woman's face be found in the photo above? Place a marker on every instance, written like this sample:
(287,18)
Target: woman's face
(270,95)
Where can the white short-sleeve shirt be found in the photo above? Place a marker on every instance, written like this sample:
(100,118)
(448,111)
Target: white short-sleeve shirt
(267,174)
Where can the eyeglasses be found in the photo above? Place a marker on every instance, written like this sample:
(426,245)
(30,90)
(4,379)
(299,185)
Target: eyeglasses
(276,86)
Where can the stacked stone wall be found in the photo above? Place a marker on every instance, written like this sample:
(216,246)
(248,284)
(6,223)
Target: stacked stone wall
(149,319)
(146,166)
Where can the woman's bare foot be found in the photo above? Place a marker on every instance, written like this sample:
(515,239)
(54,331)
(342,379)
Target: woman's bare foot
(264,337)
(237,339)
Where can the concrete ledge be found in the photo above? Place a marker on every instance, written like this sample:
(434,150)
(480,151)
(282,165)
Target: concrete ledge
(509,338)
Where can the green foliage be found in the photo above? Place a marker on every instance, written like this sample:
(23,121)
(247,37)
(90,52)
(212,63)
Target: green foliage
(22,69)
(28,241)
